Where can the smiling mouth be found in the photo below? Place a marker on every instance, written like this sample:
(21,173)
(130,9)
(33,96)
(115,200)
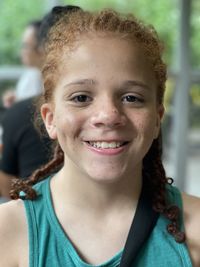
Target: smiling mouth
(106,145)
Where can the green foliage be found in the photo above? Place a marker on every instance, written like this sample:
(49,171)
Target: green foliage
(14,15)
(163,14)
(195,34)
(195,95)
(194,111)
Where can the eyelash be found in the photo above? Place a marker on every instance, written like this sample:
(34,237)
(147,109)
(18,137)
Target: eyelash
(84,99)
(134,99)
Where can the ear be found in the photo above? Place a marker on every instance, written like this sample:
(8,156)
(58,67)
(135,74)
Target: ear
(47,113)
(160,113)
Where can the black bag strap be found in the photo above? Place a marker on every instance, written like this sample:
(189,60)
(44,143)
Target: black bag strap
(143,223)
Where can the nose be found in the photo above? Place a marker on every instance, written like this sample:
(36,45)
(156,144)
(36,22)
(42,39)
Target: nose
(108,114)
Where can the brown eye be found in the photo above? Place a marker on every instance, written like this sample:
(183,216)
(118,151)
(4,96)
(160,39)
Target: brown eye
(132,99)
(82,99)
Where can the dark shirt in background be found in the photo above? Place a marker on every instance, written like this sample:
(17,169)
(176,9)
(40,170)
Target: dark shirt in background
(24,150)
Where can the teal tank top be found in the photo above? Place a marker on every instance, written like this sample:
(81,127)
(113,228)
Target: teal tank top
(49,245)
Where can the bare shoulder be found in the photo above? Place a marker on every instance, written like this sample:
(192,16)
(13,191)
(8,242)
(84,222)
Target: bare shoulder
(191,209)
(13,233)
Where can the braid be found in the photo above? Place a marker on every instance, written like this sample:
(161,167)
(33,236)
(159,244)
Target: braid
(156,180)
(19,185)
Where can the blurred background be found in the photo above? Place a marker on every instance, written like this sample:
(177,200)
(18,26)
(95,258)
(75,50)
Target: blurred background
(178,24)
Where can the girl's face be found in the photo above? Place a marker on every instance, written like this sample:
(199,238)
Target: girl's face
(104,112)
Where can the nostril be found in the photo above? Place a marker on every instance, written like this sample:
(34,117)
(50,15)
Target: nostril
(107,115)
(115,111)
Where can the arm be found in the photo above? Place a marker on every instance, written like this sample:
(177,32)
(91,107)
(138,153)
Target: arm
(191,207)
(8,163)
(13,236)
(8,98)
(9,153)
(5,184)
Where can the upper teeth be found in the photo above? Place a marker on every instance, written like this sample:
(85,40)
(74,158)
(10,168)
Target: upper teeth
(106,144)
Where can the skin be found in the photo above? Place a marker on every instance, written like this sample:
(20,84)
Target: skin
(94,102)
(5,184)
(8,98)
(106,113)
(30,54)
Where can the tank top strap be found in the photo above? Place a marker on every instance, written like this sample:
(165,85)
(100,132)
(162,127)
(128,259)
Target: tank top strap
(34,213)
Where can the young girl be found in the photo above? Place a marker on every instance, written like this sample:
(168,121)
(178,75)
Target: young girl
(104,83)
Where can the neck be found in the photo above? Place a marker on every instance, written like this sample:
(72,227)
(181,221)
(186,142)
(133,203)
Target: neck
(84,192)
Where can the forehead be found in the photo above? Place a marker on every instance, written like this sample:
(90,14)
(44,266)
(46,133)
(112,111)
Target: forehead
(106,55)
(102,45)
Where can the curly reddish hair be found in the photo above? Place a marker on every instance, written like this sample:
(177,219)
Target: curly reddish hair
(70,29)
(65,34)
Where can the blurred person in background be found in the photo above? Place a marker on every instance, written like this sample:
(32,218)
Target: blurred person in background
(8,98)
(23,150)
(30,83)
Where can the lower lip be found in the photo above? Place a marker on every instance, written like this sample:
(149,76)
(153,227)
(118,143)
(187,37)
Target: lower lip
(107,151)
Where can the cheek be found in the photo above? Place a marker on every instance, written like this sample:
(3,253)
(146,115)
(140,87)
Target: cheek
(147,123)
(69,124)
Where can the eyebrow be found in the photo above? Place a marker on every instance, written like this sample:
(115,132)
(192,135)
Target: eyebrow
(81,81)
(130,83)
